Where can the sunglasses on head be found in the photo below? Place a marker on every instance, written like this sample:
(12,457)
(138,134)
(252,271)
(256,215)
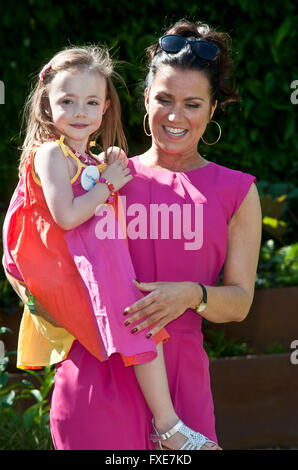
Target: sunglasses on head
(173,43)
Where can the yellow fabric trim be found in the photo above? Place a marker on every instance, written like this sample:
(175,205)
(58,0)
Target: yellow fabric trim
(34,175)
(66,152)
(40,344)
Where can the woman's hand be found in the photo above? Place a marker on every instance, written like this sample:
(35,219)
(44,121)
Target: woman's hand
(166,302)
(118,174)
(116,153)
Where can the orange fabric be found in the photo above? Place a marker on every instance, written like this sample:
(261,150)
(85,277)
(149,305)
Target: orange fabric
(48,254)
(33,253)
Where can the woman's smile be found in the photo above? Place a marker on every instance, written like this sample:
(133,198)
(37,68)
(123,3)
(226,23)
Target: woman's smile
(175,132)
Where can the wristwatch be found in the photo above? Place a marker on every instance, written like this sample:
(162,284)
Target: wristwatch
(31,304)
(203,303)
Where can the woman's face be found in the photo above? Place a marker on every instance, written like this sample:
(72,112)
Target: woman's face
(179,108)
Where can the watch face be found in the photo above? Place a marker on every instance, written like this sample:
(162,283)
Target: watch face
(201,307)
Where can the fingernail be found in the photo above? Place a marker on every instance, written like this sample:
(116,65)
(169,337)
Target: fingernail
(134,330)
(126,312)
(148,335)
(127,322)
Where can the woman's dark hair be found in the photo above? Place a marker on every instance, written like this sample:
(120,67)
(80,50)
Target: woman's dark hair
(218,72)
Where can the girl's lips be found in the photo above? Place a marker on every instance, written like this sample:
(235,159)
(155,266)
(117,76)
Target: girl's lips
(79,126)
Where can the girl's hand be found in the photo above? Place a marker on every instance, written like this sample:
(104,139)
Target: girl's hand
(166,302)
(117,174)
(115,153)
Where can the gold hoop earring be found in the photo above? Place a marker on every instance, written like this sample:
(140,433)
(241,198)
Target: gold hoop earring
(213,143)
(144,125)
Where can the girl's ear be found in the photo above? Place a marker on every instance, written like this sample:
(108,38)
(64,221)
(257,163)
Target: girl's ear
(107,104)
(46,106)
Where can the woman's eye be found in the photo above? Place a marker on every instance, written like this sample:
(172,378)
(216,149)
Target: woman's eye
(193,105)
(162,100)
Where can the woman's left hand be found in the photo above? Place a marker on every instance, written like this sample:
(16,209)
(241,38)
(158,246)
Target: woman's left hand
(166,302)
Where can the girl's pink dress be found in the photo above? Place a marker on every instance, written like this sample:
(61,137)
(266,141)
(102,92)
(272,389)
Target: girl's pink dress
(177,227)
(83,277)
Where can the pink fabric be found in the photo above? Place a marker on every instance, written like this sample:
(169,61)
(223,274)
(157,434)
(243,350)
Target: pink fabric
(99,405)
(107,274)
(16,203)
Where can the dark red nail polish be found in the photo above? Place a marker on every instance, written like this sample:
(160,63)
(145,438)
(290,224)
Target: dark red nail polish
(134,330)
(148,335)
(127,322)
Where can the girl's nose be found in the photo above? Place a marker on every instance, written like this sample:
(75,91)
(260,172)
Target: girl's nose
(80,110)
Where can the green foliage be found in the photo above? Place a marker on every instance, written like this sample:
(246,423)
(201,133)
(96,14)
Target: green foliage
(278,267)
(279,202)
(259,136)
(24,428)
(275,348)
(216,345)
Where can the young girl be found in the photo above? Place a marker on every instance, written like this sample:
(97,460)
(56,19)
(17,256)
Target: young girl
(51,227)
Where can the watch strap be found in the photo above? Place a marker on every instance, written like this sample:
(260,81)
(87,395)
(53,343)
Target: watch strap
(203,302)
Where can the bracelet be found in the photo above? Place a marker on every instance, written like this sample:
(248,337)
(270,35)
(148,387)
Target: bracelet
(31,304)
(203,303)
(110,186)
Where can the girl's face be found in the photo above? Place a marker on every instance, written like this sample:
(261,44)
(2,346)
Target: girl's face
(77,104)
(179,108)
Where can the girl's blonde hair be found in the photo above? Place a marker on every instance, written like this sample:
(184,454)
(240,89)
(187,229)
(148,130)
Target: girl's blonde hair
(40,128)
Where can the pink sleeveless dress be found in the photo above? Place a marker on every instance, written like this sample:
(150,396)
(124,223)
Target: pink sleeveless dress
(177,227)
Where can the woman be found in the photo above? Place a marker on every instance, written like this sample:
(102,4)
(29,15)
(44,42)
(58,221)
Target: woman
(187,218)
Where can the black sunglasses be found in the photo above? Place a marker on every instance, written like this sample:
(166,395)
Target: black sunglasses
(173,43)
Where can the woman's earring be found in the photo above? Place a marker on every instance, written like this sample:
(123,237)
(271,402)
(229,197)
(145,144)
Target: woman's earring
(215,142)
(144,125)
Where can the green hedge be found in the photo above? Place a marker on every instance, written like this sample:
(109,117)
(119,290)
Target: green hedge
(259,135)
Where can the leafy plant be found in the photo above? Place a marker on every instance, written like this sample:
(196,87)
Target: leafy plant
(275,348)
(278,267)
(24,428)
(216,345)
(278,201)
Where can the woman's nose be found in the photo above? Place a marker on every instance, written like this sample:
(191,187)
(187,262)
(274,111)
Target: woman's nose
(174,114)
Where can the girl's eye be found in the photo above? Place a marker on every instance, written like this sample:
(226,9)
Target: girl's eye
(66,101)
(93,103)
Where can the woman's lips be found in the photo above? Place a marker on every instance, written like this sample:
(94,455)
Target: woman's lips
(175,132)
